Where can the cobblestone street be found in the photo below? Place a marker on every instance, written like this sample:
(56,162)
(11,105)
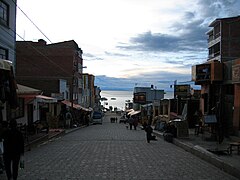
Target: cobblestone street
(110,151)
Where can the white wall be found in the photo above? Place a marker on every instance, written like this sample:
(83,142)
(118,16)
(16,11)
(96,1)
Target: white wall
(63,88)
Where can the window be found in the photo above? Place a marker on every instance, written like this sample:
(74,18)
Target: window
(4,13)
(3,53)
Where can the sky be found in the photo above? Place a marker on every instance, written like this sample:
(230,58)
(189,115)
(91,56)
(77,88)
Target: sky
(128,43)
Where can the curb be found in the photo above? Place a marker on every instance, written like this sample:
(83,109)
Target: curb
(205,155)
(35,142)
(48,137)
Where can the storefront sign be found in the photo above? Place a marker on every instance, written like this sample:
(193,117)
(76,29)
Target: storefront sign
(182,90)
(139,97)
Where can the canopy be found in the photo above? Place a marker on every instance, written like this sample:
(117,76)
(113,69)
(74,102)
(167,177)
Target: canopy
(45,99)
(75,106)
(5,64)
(147,105)
(133,113)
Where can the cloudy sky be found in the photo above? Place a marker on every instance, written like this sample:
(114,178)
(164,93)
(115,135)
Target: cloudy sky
(128,42)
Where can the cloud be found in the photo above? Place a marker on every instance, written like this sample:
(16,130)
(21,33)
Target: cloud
(116,54)
(218,8)
(188,34)
(91,57)
(192,39)
(152,42)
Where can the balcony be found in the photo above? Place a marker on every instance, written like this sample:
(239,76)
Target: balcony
(207,73)
(214,56)
(212,40)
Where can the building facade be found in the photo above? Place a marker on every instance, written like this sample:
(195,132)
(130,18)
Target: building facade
(7,57)
(147,100)
(89,91)
(8,30)
(219,91)
(53,68)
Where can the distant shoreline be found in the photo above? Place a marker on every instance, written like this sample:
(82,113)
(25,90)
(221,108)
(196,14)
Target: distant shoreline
(124,90)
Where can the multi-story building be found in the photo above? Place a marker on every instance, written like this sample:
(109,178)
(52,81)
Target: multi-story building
(147,99)
(219,89)
(7,57)
(97,99)
(7,30)
(88,95)
(55,68)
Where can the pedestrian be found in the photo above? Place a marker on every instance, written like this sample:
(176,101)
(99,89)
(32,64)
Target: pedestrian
(68,119)
(130,121)
(135,123)
(13,145)
(144,125)
(149,131)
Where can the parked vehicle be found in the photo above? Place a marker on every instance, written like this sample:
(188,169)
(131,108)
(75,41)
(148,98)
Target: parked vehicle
(97,117)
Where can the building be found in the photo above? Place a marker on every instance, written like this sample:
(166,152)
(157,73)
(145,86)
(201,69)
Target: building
(55,68)
(97,102)
(7,30)
(34,108)
(147,99)
(88,93)
(7,58)
(219,75)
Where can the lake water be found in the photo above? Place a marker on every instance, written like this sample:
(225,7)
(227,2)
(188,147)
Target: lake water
(118,98)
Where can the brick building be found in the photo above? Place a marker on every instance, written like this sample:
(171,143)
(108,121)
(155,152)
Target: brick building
(89,91)
(50,67)
(219,76)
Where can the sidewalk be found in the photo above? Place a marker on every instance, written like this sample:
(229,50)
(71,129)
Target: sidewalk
(200,147)
(35,140)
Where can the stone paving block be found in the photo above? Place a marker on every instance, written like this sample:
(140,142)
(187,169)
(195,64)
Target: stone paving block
(110,151)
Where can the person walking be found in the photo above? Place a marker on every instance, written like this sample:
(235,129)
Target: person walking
(135,123)
(130,121)
(149,131)
(13,145)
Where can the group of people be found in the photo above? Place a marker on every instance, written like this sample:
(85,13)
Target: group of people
(13,149)
(133,122)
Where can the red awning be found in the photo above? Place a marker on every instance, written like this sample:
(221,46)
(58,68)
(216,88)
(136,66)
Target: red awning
(46,99)
(76,106)
(27,95)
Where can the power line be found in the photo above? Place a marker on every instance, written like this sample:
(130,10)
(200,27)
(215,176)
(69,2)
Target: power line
(49,60)
(31,21)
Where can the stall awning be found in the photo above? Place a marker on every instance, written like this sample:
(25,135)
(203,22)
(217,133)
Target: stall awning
(76,106)
(133,113)
(45,99)
(25,90)
(147,105)
(5,64)
(129,110)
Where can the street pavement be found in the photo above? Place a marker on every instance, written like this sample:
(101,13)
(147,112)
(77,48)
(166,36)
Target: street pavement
(111,151)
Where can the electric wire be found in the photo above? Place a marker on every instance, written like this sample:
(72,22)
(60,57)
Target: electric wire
(43,35)
(47,58)
(31,21)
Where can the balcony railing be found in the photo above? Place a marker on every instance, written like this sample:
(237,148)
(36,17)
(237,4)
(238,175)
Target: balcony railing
(212,55)
(214,37)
